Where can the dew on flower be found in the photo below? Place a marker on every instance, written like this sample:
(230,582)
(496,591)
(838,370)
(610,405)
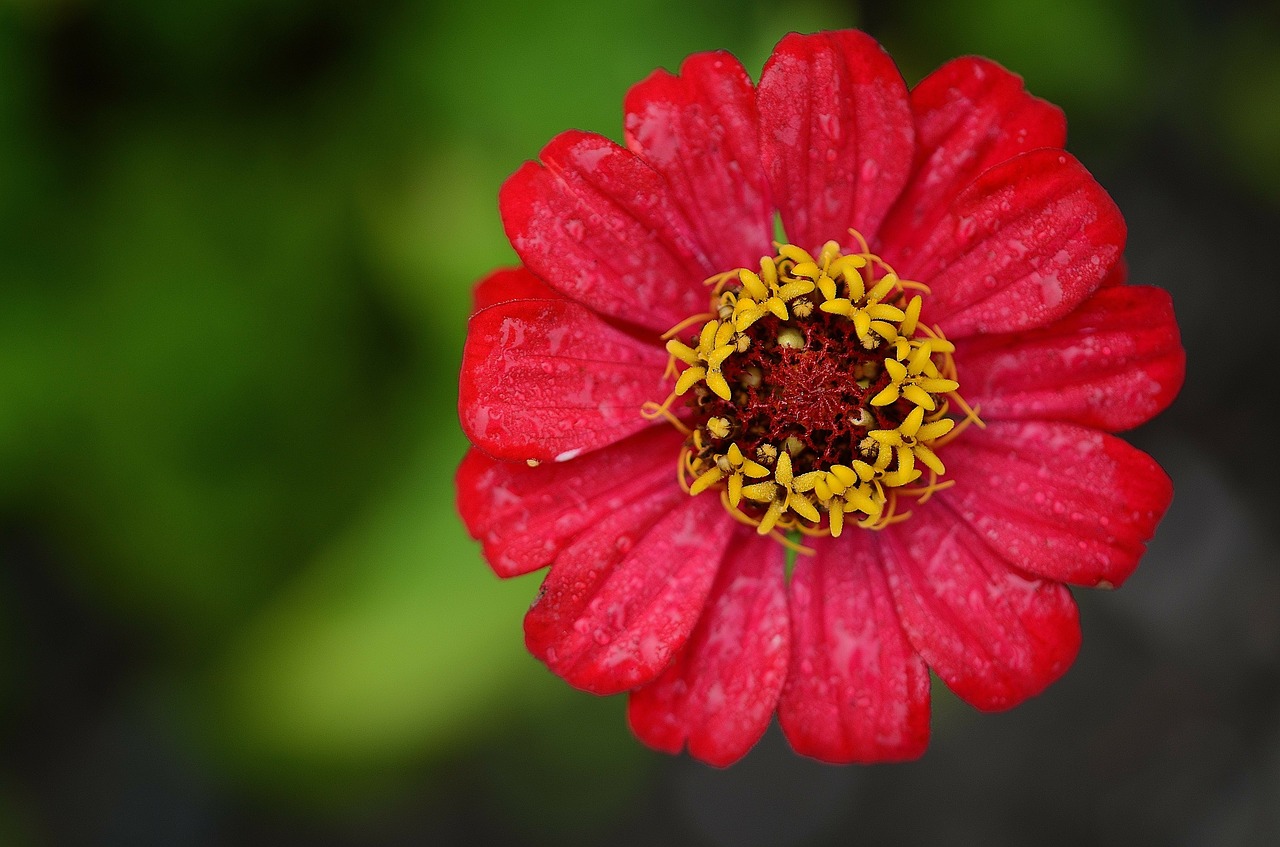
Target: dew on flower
(794,477)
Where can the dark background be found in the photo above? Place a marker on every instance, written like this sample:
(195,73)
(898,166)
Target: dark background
(237,239)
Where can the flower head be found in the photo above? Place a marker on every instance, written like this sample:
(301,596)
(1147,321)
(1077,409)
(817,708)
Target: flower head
(911,394)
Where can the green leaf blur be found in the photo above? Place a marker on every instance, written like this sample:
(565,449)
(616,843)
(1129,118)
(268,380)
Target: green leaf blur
(237,244)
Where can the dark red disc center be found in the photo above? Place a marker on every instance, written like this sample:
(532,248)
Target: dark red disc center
(805,388)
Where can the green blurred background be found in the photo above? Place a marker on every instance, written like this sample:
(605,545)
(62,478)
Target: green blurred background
(237,239)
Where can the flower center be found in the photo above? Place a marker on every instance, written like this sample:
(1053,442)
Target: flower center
(815,395)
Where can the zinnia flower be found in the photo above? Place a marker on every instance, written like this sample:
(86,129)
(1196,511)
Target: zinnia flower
(793,476)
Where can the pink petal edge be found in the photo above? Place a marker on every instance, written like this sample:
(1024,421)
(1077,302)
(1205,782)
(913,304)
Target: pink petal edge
(857,691)
(719,693)
(1059,501)
(994,636)
(505,284)
(970,114)
(623,598)
(599,225)
(1114,363)
(547,380)
(1020,247)
(836,134)
(525,516)
(699,131)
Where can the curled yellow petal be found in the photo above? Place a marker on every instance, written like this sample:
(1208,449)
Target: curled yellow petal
(885,312)
(743,320)
(930,459)
(782,472)
(807,481)
(718,355)
(862,323)
(735,490)
(886,396)
(803,507)
(857,288)
(936,429)
(883,287)
(910,427)
(810,270)
(769,270)
(796,254)
(689,379)
(916,395)
(906,461)
(761,492)
(912,316)
(717,383)
(885,330)
(837,306)
(792,290)
(829,252)
(683,352)
(938,386)
(858,498)
(915,365)
(753,285)
(846,475)
(707,337)
(706,480)
(770,519)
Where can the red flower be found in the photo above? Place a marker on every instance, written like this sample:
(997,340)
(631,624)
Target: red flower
(819,400)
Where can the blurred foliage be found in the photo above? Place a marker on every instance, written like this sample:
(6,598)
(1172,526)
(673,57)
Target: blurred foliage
(390,643)
(239,245)
(237,240)
(1249,81)
(1080,55)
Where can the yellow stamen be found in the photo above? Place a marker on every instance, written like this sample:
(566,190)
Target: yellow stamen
(720,280)
(685,324)
(836,519)
(905,367)
(650,410)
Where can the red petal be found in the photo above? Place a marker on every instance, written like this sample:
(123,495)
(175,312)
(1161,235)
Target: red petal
(623,598)
(720,691)
(1118,275)
(525,515)
(1021,246)
(510,284)
(547,379)
(699,131)
(857,691)
(970,114)
(995,637)
(1060,501)
(836,134)
(599,225)
(1113,363)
